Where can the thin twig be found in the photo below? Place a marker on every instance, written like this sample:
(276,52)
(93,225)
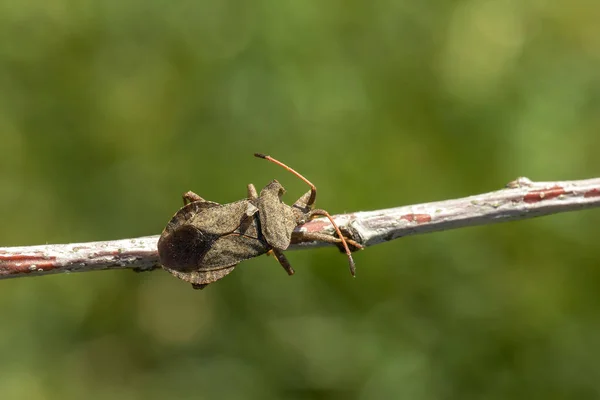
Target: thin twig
(521,199)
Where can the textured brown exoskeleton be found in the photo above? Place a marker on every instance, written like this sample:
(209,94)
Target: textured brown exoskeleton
(204,241)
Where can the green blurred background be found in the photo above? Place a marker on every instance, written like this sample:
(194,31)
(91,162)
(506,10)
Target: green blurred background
(109,110)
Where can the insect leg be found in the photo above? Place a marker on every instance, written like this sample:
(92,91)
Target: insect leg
(283,261)
(252,193)
(323,237)
(199,286)
(190,197)
(302,203)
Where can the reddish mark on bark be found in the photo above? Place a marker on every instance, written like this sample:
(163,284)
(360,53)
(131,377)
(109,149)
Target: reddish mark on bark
(543,194)
(418,218)
(592,193)
(24,264)
(316,225)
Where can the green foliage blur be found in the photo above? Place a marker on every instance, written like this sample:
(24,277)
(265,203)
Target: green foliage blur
(110,110)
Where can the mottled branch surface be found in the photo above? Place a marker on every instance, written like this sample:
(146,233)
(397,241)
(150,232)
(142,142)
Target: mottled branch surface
(520,199)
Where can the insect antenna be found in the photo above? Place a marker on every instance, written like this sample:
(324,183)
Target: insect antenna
(313,189)
(311,200)
(337,230)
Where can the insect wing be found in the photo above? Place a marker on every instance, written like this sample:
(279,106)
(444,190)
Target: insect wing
(187,212)
(231,249)
(223,219)
(197,238)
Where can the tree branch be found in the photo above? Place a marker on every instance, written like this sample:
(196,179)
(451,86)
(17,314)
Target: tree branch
(521,199)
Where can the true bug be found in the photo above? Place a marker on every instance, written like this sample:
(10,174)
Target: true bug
(204,241)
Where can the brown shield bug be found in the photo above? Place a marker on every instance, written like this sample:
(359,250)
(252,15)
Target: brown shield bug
(204,240)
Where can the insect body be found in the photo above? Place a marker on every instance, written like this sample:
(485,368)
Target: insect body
(204,240)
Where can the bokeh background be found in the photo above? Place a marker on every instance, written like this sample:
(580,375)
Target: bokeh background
(109,110)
